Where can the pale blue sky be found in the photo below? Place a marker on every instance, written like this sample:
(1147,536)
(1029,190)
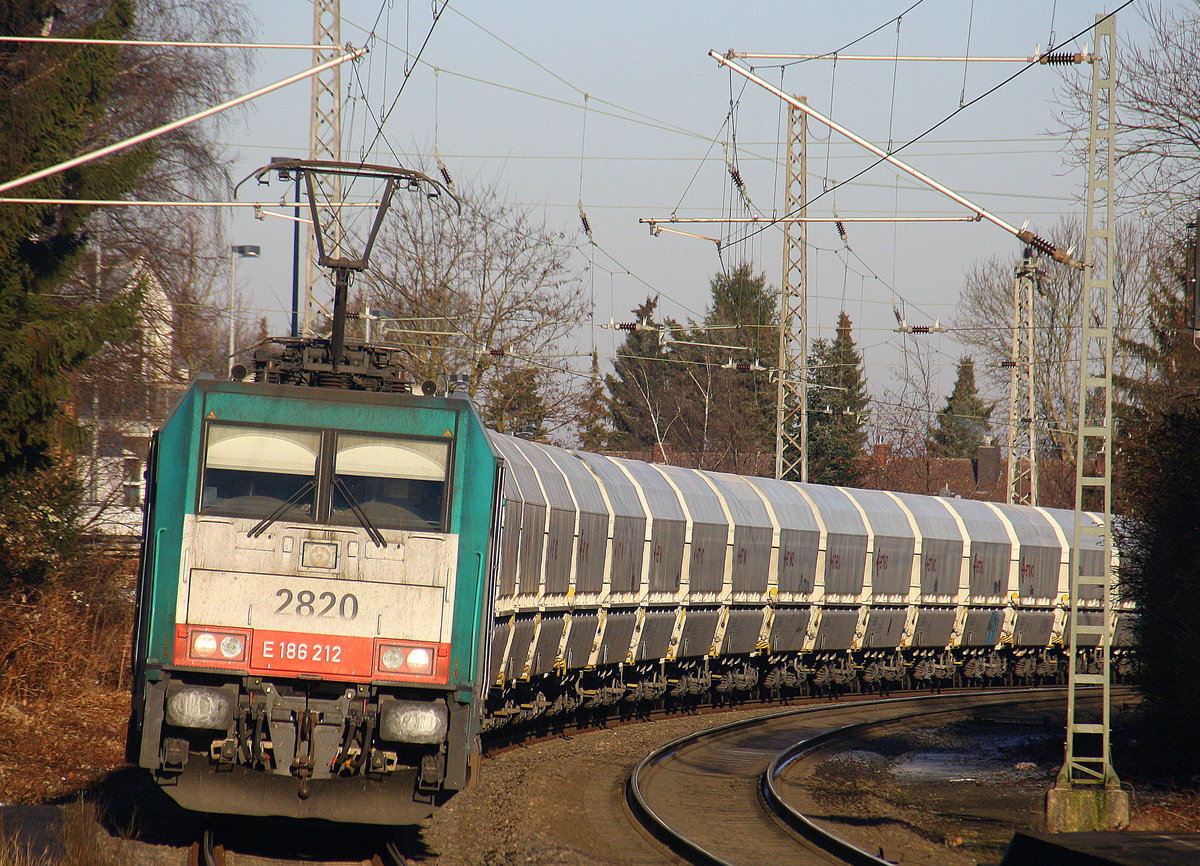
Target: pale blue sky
(513,115)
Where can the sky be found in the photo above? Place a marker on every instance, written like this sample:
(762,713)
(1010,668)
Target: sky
(617,105)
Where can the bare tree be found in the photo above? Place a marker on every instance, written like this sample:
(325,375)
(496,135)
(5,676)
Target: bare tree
(902,421)
(984,322)
(185,247)
(177,255)
(472,293)
(1158,111)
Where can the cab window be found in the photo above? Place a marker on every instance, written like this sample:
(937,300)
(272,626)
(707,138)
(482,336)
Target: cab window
(397,483)
(254,471)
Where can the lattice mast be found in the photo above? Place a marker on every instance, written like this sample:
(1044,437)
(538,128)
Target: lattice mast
(1022,403)
(324,143)
(1088,761)
(791,395)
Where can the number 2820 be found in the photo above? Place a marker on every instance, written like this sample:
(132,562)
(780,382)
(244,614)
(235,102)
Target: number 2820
(308,603)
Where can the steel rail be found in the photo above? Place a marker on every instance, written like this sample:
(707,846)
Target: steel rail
(804,826)
(806,831)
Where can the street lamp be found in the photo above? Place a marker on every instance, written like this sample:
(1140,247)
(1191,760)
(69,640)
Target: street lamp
(286,174)
(245,252)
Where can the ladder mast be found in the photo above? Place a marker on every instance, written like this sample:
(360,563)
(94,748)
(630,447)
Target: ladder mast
(324,143)
(791,395)
(1022,402)
(1088,760)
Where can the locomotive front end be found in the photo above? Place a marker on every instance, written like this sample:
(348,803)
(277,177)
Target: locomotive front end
(311,605)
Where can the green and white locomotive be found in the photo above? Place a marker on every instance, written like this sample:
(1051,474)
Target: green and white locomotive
(313,601)
(345,579)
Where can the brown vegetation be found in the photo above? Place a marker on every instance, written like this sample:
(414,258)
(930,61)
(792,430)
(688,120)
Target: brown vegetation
(64,678)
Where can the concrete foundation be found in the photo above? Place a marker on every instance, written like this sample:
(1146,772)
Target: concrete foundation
(1084,810)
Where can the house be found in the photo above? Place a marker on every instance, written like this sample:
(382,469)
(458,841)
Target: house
(121,396)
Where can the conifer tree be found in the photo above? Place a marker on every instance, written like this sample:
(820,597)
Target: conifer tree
(52,96)
(745,313)
(643,395)
(1157,457)
(837,407)
(594,411)
(962,425)
(515,404)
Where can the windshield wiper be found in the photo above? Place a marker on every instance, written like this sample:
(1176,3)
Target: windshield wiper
(372,532)
(261,527)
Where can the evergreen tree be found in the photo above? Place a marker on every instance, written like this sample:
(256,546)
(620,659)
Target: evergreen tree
(594,411)
(53,98)
(643,397)
(746,314)
(837,407)
(515,404)
(674,385)
(963,425)
(742,300)
(1157,455)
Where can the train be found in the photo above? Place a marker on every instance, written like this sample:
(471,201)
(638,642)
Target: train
(347,579)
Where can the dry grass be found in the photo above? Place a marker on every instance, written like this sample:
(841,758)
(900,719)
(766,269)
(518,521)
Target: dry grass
(1165,811)
(69,634)
(54,748)
(64,679)
(78,841)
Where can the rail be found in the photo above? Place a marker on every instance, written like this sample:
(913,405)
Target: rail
(806,832)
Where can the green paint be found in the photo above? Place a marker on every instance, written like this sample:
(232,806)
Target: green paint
(472,485)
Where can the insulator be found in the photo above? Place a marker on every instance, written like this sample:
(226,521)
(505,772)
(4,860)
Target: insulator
(626,326)
(497,353)
(353,315)
(737,177)
(445,172)
(919,329)
(1008,363)
(1060,58)
(1037,243)
(841,227)
(587,226)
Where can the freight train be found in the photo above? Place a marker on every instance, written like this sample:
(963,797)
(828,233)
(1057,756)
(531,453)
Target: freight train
(345,581)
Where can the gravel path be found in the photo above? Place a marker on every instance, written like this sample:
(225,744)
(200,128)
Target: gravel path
(559,801)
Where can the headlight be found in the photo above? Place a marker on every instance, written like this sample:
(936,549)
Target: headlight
(406,659)
(200,707)
(204,645)
(392,658)
(413,721)
(232,646)
(217,645)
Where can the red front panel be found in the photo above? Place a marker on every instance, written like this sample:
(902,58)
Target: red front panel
(332,657)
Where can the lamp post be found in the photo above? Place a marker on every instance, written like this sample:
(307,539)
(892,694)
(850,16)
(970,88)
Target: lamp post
(244,252)
(294,176)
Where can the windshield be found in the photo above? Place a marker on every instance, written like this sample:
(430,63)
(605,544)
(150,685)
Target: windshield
(254,472)
(398,483)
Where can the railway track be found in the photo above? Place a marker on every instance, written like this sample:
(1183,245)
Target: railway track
(712,797)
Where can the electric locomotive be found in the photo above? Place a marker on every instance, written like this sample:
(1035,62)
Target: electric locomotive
(346,578)
(314,594)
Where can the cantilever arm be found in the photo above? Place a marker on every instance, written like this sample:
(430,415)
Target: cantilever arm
(1045,246)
